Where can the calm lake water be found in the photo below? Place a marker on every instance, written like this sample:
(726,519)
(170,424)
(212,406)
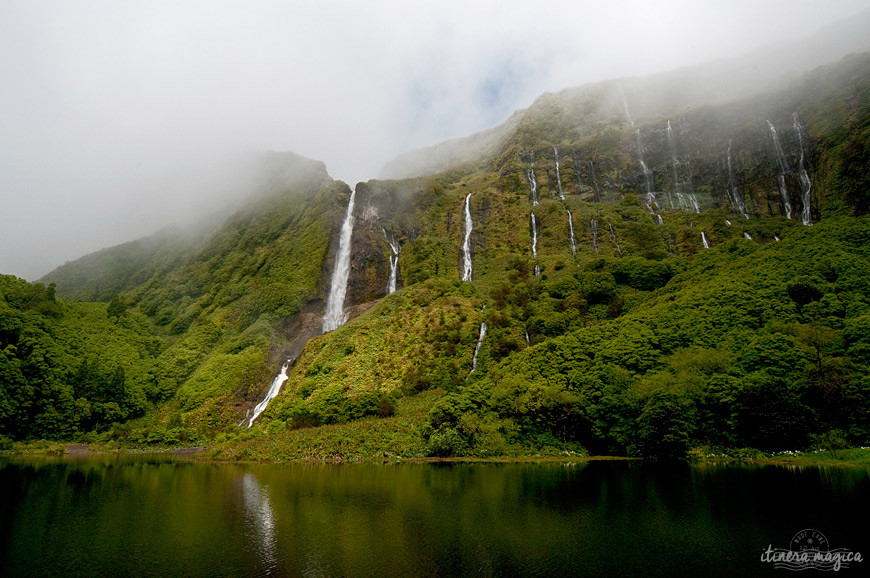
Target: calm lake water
(136,516)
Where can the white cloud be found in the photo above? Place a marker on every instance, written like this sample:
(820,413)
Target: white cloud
(101,100)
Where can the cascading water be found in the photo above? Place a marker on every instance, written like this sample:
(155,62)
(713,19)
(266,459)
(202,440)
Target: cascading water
(571,230)
(650,195)
(394,263)
(533,186)
(534,222)
(704,240)
(694,200)
(273,391)
(594,228)
(727,222)
(466,243)
(477,347)
(735,194)
(806,184)
(613,238)
(651,199)
(534,236)
(335,315)
(558,173)
(625,105)
(783,170)
(747,236)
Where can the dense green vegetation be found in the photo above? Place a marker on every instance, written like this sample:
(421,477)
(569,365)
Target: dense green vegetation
(634,341)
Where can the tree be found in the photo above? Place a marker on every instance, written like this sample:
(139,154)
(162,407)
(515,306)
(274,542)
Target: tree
(117,308)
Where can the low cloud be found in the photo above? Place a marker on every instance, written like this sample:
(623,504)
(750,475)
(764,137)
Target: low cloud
(116,117)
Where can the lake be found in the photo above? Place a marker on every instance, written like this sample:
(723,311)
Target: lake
(110,515)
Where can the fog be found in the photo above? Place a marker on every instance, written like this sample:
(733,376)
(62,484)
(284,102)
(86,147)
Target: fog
(118,118)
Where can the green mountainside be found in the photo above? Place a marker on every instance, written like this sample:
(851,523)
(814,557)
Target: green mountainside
(596,319)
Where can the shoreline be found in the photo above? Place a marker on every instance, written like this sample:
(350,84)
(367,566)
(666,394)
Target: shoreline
(829,458)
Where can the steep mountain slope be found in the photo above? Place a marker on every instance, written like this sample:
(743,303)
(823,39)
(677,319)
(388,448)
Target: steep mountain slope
(590,222)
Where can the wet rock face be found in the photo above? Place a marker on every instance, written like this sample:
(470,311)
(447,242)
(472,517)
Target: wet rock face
(385,213)
(690,158)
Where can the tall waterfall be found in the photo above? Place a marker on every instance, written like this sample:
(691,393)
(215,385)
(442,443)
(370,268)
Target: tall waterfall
(466,243)
(806,184)
(394,262)
(477,347)
(783,170)
(704,240)
(594,227)
(335,315)
(736,196)
(273,391)
(571,229)
(534,236)
(535,242)
(558,173)
(613,238)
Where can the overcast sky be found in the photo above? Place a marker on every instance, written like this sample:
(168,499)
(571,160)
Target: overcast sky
(111,112)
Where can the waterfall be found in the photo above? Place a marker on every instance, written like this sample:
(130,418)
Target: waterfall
(571,229)
(646,172)
(273,391)
(806,184)
(727,222)
(535,242)
(477,347)
(394,263)
(650,195)
(735,195)
(776,238)
(704,240)
(656,217)
(558,173)
(783,170)
(527,338)
(594,227)
(694,200)
(533,185)
(613,238)
(534,237)
(466,243)
(335,316)
(747,235)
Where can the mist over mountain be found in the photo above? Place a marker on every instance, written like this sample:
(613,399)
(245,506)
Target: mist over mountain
(645,266)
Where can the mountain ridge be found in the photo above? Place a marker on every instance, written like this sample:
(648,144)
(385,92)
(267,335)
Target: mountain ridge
(594,221)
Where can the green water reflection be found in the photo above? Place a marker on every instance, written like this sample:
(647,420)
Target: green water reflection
(110,515)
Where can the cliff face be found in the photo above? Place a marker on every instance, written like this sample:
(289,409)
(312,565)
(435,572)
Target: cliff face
(579,206)
(663,165)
